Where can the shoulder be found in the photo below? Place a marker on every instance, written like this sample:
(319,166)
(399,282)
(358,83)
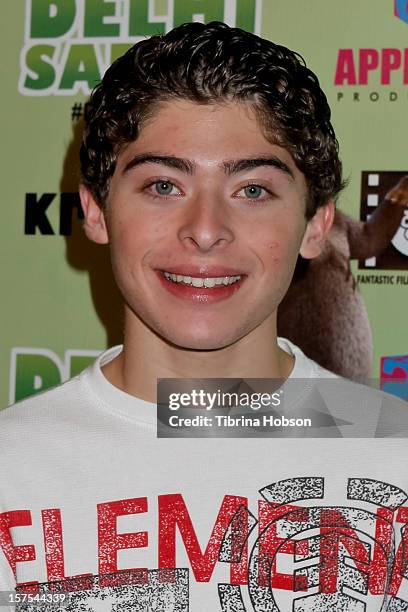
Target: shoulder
(362,410)
(351,408)
(43,405)
(71,396)
(304,366)
(30,427)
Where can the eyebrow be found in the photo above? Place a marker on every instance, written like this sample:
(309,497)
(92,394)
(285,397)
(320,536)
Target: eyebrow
(165,160)
(188,167)
(239,165)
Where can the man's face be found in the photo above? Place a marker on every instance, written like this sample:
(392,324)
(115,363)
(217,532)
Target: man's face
(205,219)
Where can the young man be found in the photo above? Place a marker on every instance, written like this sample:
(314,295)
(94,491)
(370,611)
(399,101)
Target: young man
(209,163)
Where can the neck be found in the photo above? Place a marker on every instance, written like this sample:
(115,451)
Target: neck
(147,357)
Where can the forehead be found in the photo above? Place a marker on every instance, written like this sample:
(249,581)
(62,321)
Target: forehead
(205,133)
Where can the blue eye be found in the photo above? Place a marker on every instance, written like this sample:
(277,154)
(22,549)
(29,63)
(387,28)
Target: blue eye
(253,192)
(163,187)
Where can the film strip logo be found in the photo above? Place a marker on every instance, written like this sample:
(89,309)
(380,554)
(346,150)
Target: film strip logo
(374,187)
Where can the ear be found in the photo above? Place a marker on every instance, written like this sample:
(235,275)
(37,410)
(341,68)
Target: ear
(94,224)
(316,231)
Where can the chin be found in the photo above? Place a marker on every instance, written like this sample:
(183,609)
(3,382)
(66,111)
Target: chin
(195,341)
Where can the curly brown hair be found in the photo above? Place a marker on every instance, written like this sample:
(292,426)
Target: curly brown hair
(206,64)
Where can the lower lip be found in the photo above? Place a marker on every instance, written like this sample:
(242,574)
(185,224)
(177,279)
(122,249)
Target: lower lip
(200,294)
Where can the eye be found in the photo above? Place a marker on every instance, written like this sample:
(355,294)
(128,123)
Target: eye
(254,192)
(163,188)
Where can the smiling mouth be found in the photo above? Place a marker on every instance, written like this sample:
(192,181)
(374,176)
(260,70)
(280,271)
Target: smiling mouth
(208,282)
(197,286)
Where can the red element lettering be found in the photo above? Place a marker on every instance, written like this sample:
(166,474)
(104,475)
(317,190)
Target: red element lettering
(54,550)
(345,69)
(270,544)
(369,60)
(382,550)
(15,554)
(336,530)
(6,543)
(329,561)
(31,588)
(173,512)
(391,60)
(109,540)
(401,559)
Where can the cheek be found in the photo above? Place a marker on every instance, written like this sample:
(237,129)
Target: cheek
(127,243)
(280,234)
(278,257)
(275,250)
(131,231)
(279,252)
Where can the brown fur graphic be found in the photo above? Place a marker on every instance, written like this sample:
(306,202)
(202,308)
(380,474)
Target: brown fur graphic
(323,311)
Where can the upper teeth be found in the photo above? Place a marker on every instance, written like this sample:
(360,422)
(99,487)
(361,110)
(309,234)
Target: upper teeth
(202,282)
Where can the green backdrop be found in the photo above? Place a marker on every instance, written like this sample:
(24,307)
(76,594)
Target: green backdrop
(59,306)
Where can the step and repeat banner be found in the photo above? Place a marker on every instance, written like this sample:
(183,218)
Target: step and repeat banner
(59,305)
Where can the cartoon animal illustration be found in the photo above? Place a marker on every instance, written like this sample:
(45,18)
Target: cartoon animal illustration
(323,311)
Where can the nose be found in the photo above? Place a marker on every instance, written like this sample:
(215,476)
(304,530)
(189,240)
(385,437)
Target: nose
(205,224)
